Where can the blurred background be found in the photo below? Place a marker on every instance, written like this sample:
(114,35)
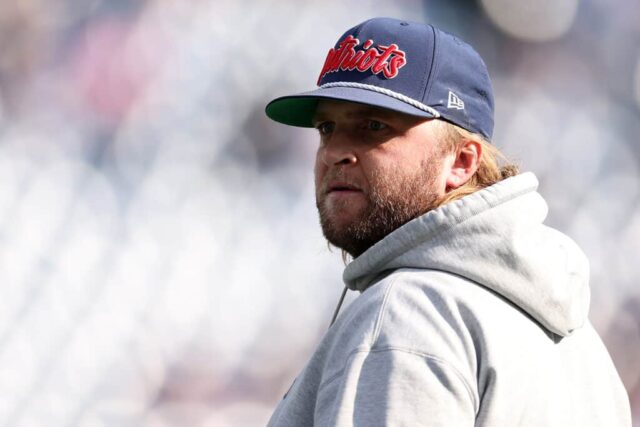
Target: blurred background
(161,262)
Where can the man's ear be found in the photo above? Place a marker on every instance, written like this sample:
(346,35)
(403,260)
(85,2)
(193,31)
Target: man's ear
(465,164)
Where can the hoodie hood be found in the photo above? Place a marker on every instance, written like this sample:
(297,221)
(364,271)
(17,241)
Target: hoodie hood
(496,238)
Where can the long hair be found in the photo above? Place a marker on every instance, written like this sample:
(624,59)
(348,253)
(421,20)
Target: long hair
(493,167)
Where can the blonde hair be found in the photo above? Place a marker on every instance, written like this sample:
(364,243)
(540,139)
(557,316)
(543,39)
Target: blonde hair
(493,167)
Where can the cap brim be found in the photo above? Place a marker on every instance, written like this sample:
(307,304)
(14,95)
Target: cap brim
(298,110)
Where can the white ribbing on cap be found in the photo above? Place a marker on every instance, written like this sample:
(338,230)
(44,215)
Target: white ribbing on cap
(384,91)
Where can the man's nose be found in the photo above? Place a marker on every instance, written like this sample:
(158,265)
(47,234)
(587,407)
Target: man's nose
(340,150)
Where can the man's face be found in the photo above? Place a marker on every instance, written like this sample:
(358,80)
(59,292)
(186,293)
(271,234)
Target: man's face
(375,170)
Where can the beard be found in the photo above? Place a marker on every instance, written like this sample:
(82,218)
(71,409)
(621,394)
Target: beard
(392,201)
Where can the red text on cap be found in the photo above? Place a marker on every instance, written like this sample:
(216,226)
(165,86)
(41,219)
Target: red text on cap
(379,59)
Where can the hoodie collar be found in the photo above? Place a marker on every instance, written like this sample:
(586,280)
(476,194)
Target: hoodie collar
(496,238)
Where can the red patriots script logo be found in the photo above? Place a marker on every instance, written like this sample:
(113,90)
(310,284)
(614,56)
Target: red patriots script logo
(380,59)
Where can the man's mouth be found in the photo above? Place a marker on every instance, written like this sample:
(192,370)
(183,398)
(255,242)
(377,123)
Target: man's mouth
(342,187)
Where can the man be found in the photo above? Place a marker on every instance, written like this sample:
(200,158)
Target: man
(472,312)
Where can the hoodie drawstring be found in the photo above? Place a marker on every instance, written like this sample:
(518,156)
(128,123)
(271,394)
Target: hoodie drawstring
(335,313)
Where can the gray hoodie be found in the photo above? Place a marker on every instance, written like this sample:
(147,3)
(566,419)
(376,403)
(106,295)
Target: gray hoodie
(474,314)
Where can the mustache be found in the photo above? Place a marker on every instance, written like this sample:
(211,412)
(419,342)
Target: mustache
(338,176)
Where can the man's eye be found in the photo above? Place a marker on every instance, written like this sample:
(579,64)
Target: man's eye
(325,128)
(375,125)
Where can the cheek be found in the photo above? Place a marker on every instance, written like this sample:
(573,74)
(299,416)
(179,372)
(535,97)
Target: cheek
(372,169)
(319,170)
(445,171)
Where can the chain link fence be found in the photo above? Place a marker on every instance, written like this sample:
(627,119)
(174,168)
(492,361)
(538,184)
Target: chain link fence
(161,262)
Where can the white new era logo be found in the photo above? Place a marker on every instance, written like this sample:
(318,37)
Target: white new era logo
(455,101)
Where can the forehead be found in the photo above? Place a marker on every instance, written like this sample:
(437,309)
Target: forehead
(332,108)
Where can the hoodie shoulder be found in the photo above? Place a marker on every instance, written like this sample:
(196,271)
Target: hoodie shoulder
(495,237)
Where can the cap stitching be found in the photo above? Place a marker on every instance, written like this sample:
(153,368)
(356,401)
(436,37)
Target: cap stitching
(433,67)
(387,92)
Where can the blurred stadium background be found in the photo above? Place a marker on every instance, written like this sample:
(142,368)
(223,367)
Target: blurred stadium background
(160,258)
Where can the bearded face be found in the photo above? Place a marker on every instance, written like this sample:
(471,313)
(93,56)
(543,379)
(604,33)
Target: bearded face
(391,199)
(375,170)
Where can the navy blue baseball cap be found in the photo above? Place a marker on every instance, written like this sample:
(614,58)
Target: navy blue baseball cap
(408,67)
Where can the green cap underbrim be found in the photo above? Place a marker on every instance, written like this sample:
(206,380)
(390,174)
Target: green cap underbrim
(293,111)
